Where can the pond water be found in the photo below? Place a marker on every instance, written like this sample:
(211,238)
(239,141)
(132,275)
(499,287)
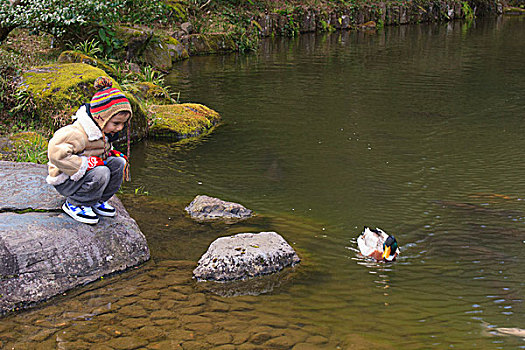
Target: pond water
(415,129)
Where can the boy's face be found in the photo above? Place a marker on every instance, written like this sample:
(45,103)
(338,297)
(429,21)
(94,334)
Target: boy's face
(116,123)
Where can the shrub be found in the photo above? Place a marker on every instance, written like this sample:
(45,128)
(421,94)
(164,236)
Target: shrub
(12,102)
(66,18)
(57,16)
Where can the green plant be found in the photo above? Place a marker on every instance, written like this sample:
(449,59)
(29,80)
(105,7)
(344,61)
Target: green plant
(28,153)
(149,74)
(246,39)
(17,108)
(148,11)
(173,96)
(123,76)
(23,102)
(90,48)
(291,27)
(108,40)
(139,191)
(9,68)
(74,18)
(467,11)
(29,147)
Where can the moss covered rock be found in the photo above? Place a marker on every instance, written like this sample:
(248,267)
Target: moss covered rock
(58,90)
(135,40)
(182,120)
(78,57)
(202,44)
(162,50)
(139,122)
(150,93)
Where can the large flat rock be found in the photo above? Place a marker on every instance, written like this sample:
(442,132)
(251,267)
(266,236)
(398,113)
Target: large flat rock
(23,186)
(45,253)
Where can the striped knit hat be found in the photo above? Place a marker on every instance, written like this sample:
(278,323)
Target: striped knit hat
(107,101)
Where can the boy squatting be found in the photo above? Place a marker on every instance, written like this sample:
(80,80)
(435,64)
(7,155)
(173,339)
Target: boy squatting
(83,166)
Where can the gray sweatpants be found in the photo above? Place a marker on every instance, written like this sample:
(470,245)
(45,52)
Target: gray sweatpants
(99,184)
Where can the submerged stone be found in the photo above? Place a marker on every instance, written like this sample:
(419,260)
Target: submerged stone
(245,255)
(370,25)
(205,208)
(252,286)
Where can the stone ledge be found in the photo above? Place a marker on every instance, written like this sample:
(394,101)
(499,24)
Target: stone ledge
(44,253)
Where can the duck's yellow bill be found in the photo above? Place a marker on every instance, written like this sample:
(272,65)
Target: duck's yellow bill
(386,253)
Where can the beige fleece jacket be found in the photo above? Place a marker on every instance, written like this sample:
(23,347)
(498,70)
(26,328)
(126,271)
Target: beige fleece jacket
(70,147)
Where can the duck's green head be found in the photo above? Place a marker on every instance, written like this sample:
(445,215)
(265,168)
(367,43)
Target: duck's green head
(390,248)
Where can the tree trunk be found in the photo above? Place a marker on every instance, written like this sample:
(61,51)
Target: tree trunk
(4,32)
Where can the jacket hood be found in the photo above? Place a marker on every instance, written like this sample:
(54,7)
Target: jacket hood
(92,130)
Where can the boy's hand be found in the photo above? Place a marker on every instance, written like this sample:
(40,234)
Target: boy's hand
(94,162)
(115,153)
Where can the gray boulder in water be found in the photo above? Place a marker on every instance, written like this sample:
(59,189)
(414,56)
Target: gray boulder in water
(245,255)
(205,208)
(44,252)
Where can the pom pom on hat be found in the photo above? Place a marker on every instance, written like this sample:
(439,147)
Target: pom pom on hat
(102,83)
(107,101)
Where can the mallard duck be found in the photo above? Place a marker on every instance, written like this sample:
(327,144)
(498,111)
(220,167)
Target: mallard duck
(377,244)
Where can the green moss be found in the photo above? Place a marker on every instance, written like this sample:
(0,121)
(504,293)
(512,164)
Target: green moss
(179,9)
(171,40)
(150,93)
(177,51)
(62,88)
(59,90)
(182,120)
(134,39)
(79,57)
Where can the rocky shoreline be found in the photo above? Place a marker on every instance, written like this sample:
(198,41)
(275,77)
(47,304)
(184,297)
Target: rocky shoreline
(162,49)
(44,253)
(381,14)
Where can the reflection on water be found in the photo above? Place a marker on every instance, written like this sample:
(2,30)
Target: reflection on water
(415,129)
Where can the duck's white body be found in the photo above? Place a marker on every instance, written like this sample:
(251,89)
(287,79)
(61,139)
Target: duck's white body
(371,242)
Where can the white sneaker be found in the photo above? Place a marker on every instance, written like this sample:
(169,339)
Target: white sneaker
(80,213)
(104,209)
